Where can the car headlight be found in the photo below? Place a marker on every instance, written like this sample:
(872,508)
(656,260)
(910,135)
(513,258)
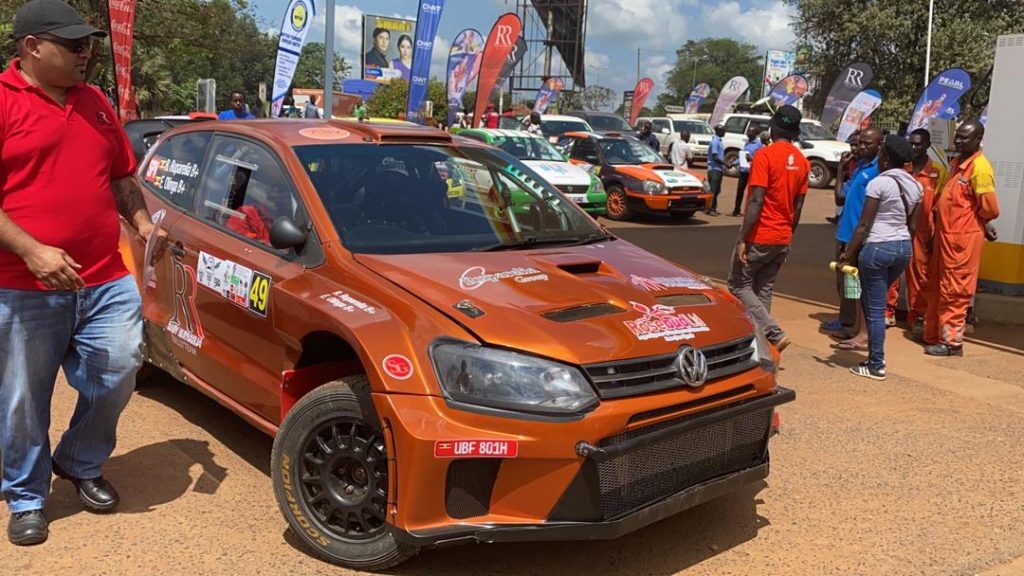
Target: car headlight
(763,351)
(598,186)
(652,187)
(510,381)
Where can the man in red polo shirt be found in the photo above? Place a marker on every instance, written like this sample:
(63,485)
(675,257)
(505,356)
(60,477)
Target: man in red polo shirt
(778,185)
(66,299)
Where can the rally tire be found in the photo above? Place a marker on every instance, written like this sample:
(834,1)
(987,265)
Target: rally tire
(820,175)
(617,203)
(329,469)
(732,166)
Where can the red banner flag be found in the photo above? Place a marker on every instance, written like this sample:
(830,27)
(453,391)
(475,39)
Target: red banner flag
(640,93)
(500,41)
(122,25)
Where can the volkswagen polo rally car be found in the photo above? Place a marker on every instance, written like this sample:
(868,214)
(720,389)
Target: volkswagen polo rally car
(580,185)
(636,178)
(435,363)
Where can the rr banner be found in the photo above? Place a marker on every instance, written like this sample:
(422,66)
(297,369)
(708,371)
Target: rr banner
(426,28)
(732,90)
(500,42)
(640,93)
(463,67)
(939,99)
(122,25)
(858,111)
(697,96)
(788,90)
(854,78)
(547,94)
(296,23)
(514,57)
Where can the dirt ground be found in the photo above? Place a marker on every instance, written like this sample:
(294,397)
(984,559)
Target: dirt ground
(921,474)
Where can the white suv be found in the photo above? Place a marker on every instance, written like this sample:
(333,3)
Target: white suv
(664,127)
(818,144)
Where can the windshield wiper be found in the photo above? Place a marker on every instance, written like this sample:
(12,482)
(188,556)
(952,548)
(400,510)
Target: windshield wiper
(530,242)
(593,239)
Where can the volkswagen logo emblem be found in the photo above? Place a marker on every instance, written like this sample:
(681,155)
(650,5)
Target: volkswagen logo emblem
(692,366)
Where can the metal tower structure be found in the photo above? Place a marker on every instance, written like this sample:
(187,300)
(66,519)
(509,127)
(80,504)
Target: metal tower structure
(555,32)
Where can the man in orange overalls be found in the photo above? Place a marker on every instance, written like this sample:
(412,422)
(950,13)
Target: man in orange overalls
(961,216)
(932,177)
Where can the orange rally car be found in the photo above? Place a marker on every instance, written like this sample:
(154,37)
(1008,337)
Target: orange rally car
(440,359)
(636,178)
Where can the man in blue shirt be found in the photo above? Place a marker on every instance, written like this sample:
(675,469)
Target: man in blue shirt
(856,189)
(716,167)
(237,109)
(746,157)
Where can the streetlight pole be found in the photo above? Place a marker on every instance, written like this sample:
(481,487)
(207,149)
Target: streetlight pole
(928,50)
(329,62)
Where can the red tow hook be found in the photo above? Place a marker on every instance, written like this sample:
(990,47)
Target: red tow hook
(776,424)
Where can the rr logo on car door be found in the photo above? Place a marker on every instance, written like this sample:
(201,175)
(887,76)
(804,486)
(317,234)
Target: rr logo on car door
(185,327)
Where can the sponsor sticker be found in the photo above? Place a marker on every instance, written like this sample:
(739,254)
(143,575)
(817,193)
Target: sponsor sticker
(477,276)
(235,283)
(662,283)
(662,322)
(171,176)
(476,448)
(325,133)
(185,327)
(346,302)
(397,366)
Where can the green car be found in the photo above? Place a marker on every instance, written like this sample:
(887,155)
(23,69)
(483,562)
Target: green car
(579,185)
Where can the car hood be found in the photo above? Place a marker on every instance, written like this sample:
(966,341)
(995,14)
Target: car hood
(560,173)
(585,304)
(678,178)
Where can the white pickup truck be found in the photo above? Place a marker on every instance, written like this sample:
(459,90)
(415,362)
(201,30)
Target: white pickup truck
(817,143)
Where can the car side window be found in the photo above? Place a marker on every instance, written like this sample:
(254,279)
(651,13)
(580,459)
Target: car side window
(585,151)
(736,125)
(659,125)
(174,168)
(246,190)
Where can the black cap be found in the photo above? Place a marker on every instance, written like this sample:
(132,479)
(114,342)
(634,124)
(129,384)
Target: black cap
(898,150)
(787,118)
(51,17)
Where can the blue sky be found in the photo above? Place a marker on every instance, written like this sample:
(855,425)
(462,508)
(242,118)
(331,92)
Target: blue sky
(615,29)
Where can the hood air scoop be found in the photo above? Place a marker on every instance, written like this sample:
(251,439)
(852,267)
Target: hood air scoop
(583,312)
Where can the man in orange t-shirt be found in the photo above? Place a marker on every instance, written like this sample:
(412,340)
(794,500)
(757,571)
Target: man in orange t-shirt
(778,185)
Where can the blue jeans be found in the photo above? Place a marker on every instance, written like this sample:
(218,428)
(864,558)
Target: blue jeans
(881,263)
(95,334)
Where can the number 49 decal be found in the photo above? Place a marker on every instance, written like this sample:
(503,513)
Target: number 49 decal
(259,293)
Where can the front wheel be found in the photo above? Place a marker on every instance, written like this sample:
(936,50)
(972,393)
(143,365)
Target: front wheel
(820,175)
(617,203)
(330,475)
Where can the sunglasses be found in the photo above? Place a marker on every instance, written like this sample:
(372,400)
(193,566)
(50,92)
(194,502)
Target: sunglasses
(74,46)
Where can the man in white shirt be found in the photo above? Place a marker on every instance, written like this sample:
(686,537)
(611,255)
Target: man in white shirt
(681,154)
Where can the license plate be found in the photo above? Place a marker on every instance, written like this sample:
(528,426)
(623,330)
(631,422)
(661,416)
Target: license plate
(476,449)
(577,198)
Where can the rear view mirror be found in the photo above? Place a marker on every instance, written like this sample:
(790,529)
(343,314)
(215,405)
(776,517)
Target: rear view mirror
(285,234)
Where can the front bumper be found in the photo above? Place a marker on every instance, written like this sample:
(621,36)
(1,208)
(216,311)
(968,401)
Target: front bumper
(674,203)
(573,482)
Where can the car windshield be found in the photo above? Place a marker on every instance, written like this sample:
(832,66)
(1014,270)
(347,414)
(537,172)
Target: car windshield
(558,127)
(609,124)
(415,199)
(693,127)
(528,148)
(626,151)
(812,131)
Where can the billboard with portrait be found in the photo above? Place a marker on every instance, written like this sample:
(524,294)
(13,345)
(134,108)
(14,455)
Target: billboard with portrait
(388,47)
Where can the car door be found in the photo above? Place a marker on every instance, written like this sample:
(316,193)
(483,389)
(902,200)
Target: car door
(171,176)
(662,128)
(229,276)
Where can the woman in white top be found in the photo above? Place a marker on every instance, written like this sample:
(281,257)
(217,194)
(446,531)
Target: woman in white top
(881,243)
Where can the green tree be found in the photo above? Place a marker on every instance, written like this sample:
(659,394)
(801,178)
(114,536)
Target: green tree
(309,72)
(713,61)
(597,97)
(390,99)
(891,37)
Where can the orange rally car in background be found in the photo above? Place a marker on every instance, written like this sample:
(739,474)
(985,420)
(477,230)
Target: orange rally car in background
(635,177)
(439,359)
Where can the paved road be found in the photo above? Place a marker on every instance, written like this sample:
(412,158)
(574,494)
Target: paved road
(922,474)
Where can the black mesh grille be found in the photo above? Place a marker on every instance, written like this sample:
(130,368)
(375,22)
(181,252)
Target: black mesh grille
(583,312)
(656,373)
(683,300)
(671,465)
(469,485)
(582,189)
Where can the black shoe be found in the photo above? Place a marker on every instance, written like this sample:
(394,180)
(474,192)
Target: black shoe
(713,212)
(96,494)
(832,219)
(736,214)
(865,370)
(27,528)
(944,350)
